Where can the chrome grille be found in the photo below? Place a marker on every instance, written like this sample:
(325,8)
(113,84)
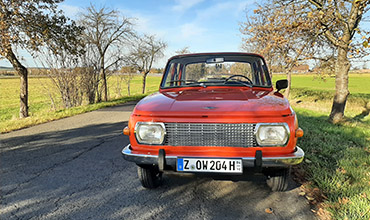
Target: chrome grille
(210,134)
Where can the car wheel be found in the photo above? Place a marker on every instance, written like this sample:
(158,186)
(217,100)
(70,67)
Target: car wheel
(278,180)
(149,176)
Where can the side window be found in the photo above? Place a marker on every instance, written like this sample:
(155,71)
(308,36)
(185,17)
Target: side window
(256,73)
(173,75)
(264,74)
(260,73)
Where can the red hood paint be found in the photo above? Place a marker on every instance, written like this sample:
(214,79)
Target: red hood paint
(213,101)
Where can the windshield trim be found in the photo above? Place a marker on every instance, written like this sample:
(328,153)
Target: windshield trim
(229,57)
(221,85)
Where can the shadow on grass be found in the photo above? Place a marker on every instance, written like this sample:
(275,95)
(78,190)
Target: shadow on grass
(338,162)
(364,113)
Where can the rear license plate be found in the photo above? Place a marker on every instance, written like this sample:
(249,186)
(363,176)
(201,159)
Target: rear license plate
(209,165)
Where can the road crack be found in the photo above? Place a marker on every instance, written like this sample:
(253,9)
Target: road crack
(102,141)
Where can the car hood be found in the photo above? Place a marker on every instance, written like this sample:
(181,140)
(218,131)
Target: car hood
(214,101)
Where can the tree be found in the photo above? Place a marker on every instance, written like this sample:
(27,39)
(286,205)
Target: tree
(144,52)
(107,30)
(66,76)
(184,50)
(280,34)
(30,25)
(89,62)
(339,21)
(126,74)
(335,23)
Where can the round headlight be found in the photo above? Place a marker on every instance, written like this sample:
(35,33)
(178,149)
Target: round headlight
(272,134)
(150,132)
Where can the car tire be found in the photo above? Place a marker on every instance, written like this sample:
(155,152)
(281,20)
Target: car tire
(149,176)
(278,180)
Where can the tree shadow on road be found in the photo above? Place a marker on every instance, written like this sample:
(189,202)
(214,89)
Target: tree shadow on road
(80,173)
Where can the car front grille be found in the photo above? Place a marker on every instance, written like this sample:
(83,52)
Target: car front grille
(210,134)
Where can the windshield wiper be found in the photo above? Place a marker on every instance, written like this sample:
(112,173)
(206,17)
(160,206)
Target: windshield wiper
(182,80)
(189,82)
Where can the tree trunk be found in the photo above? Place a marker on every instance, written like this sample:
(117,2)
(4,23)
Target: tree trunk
(289,78)
(103,76)
(23,73)
(119,80)
(341,86)
(144,81)
(104,84)
(128,88)
(23,111)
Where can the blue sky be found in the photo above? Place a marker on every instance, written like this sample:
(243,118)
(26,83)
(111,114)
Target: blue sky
(201,25)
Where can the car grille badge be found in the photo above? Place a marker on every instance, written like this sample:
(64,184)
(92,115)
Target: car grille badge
(209,107)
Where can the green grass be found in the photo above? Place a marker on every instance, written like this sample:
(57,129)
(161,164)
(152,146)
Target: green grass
(337,156)
(338,163)
(310,92)
(358,83)
(41,109)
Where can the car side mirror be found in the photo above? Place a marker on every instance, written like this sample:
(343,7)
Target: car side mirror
(281,84)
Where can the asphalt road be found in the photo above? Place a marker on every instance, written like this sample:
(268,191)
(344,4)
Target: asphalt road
(73,169)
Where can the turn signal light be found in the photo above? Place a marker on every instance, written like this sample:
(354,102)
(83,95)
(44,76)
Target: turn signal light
(299,132)
(126,131)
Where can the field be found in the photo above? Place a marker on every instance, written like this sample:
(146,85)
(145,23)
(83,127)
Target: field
(42,92)
(310,92)
(358,83)
(335,174)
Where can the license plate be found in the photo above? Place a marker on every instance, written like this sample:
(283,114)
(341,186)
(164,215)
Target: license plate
(209,165)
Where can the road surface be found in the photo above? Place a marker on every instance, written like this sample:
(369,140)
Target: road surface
(73,169)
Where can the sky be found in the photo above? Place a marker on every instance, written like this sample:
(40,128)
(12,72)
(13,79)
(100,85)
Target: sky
(201,25)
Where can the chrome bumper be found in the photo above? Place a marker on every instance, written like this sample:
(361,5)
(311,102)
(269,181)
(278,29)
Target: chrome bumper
(281,161)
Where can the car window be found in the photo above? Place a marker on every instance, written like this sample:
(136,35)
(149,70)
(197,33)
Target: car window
(216,72)
(220,71)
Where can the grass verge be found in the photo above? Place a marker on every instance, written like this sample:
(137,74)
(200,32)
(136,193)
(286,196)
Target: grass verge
(336,165)
(357,107)
(15,124)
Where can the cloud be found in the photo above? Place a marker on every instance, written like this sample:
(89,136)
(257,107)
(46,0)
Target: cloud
(223,9)
(145,23)
(191,30)
(183,5)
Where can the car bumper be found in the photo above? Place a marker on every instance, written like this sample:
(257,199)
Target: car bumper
(278,161)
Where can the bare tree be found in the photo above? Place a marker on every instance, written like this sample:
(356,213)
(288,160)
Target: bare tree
(89,66)
(63,71)
(29,25)
(127,73)
(144,52)
(184,50)
(107,30)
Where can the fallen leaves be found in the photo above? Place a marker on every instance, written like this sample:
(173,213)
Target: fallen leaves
(269,210)
(309,198)
(313,195)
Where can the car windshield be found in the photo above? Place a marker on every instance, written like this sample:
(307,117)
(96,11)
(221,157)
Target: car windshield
(216,70)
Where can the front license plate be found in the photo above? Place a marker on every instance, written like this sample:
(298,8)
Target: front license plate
(209,165)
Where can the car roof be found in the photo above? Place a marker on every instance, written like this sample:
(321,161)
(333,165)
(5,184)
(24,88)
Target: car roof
(216,54)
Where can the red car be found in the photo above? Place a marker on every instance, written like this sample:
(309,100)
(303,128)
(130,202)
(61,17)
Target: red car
(215,113)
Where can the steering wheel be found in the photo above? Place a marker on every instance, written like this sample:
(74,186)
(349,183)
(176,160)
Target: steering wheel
(233,76)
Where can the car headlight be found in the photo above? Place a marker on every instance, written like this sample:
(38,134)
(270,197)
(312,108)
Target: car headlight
(150,132)
(272,134)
